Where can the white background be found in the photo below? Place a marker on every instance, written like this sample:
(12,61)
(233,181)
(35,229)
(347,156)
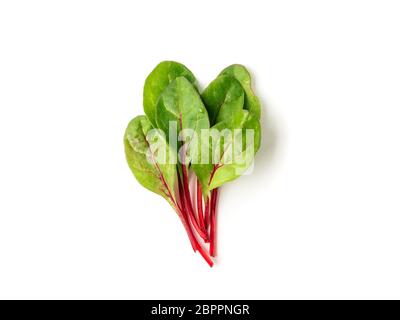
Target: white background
(318,218)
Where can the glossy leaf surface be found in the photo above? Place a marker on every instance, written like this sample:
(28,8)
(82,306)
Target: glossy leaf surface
(143,146)
(159,79)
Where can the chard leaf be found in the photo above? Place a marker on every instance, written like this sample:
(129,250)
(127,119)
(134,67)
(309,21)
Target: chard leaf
(236,157)
(232,153)
(251,101)
(148,157)
(181,104)
(223,98)
(162,75)
(231,104)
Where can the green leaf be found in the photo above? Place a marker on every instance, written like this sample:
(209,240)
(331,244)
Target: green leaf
(162,75)
(232,153)
(251,102)
(236,159)
(224,99)
(148,157)
(231,104)
(181,104)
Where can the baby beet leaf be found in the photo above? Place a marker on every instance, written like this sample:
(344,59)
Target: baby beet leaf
(180,103)
(232,153)
(144,161)
(162,75)
(239,72)
(223,98)
(236,159)
(252,122)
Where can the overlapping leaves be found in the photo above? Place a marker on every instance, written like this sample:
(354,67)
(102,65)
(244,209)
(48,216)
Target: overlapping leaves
(227,110)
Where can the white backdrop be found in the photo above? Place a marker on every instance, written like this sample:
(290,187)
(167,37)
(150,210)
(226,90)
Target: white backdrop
(318,218)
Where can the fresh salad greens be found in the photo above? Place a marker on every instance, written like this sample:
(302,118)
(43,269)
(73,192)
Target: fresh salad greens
(210,137)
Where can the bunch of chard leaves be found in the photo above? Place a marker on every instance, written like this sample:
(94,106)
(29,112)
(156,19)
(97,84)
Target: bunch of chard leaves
(185,135)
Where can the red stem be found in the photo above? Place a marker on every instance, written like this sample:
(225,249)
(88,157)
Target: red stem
(205,256)
(195,244)
(208,200)
(200,215)
(213,227)
(201,231)
(207,213)
(189,232)
(189,206)
(184,217)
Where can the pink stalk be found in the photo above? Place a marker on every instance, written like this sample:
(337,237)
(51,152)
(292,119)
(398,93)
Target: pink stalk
(213,225)
(207,213)
(183,215)
(200,215)
(189,206)
(186,223)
